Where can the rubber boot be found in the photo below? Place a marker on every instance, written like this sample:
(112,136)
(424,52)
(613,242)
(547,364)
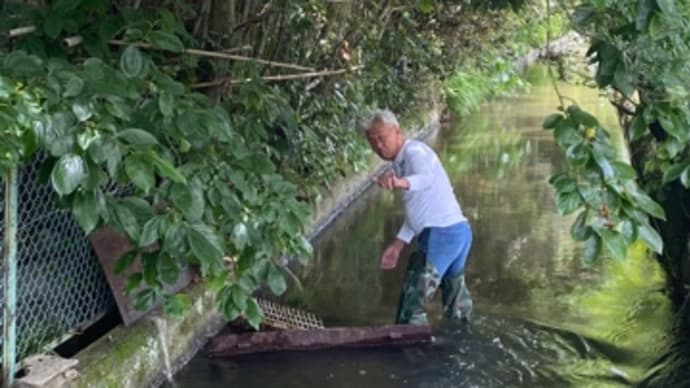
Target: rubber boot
(420,283)
(457,301)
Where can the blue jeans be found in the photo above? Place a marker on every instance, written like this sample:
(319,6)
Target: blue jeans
(446,248)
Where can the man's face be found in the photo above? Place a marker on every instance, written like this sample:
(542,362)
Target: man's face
(384,140)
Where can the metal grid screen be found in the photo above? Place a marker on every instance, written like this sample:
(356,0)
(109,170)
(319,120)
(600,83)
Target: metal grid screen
(60,285)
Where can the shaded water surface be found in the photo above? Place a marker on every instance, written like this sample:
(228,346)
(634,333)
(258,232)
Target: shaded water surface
(541,317)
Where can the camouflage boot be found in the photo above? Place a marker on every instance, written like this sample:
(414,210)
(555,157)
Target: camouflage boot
(457,301)
(420,284)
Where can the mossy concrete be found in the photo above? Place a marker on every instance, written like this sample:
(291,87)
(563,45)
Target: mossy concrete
(133,357)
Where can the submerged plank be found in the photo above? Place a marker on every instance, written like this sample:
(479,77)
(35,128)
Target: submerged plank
(226,345)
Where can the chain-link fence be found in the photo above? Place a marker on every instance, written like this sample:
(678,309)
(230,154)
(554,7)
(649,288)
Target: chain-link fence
(60,285)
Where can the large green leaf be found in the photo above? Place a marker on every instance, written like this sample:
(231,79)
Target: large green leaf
(592,248)
(138,137)
(650,236)
(276,280)
(125,261)
(85,210)
(133,63)
(579,229)
(675,171)
(149,233)
(615,242)
(205,244)
(648,205)
(68,173)
(140,173)
(166,41)
(568,202)
(643,13)
(166,168)
(240,235)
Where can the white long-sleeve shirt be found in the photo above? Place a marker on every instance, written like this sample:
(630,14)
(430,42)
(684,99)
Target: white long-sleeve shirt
(429,201)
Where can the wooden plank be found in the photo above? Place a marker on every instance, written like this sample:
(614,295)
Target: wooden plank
(109,245)
(227,345)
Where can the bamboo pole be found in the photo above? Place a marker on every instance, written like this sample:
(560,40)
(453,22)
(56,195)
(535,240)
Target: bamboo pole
(222,55)
(75,40)
(280,77)
(21,31)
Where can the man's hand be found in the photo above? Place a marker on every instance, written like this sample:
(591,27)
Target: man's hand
(389,258)
(389,181)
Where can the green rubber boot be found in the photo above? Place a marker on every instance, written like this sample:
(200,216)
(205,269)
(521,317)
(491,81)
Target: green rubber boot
(457,301)
(420,283)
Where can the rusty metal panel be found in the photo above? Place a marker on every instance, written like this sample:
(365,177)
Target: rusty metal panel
(109,245)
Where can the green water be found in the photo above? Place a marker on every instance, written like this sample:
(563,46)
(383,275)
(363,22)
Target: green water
(541,317)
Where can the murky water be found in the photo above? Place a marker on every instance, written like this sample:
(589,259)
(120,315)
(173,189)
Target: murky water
(541,317)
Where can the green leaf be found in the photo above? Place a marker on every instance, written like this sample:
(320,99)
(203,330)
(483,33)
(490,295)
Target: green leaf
(85,210)
(205,244)
(145,299)
(579,229)
(74,87)
(61,6)
(644,202)
(624,170)
(166,41)
(568,202)
(189,199)
(615,243)
(566,134)
(176,305)
(253,314)
(125,261)
(643,13)
(276,281)
(123,218)
(149,234)
(592,249)
(582,117)
(240,236)
(141,173)
(166,169)
(67,173)
(138,137)
(133,63)
(23,63)
(685,178)
(166,104)
(53,24)
(638,127)
(133,283)
(149,263)
(563,183)
(650,236)
(552,120)
(82,111)
(168,269)
(239,297)
(667,7)
(675,171)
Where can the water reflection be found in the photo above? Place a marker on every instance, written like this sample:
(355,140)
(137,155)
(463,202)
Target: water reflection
(542,319)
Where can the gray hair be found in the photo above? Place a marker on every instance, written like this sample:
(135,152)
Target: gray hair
(378,116)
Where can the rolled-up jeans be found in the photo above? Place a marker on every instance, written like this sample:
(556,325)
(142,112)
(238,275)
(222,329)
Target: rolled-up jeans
(438,261)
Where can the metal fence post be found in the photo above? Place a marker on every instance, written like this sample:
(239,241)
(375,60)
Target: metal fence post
(9,278)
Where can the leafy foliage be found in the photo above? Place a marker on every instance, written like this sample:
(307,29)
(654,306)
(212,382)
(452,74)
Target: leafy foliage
(221,179)
(640,49)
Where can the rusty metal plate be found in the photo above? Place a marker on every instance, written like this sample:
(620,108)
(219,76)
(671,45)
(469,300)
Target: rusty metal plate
(109,245)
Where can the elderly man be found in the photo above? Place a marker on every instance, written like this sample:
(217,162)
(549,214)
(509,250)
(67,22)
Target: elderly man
(432,213)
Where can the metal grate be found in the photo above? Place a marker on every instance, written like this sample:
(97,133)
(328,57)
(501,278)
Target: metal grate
(284,317)
(60,284)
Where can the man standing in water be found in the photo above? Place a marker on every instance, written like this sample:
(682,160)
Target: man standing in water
(432,213)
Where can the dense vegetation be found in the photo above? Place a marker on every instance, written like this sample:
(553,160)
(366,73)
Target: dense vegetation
(640,49)
(169,121)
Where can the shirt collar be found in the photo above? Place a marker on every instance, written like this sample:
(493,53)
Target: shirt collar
(399,157)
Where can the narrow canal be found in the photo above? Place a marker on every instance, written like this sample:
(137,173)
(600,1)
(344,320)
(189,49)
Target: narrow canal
(542,318)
